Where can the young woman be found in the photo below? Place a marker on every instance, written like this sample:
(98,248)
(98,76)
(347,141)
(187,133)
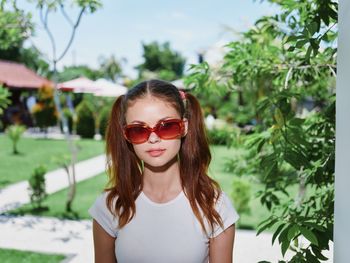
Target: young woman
(161,205)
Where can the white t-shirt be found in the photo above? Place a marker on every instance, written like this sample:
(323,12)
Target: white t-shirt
(162,232)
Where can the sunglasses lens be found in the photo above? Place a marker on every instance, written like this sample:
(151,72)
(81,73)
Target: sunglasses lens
(169,130)
(137,134)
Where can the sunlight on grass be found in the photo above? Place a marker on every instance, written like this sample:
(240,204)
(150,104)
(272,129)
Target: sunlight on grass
(33,152)
(11,256)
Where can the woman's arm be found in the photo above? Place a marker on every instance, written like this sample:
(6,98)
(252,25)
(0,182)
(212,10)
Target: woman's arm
(103,245)
(221,247)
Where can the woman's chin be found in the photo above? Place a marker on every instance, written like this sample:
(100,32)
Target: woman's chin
(159,164)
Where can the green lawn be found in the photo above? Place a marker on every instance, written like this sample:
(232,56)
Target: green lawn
(11,256)
(220,154)
(88,190)
(33,152)
(86,193)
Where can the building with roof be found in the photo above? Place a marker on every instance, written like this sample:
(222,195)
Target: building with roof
(23,84)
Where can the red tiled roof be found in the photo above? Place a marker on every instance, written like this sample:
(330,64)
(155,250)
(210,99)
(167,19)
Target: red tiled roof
(17,75)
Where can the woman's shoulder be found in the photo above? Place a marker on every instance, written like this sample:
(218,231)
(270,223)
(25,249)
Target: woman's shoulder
(101,200)
(221,197)
(227,212)
(100,212)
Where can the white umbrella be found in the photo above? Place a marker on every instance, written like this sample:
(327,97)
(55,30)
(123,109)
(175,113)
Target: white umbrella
(109,89)
(79,85)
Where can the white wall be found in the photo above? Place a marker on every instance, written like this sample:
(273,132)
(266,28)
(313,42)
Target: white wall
(342,162)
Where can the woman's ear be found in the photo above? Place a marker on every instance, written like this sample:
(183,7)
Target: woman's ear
(185,121)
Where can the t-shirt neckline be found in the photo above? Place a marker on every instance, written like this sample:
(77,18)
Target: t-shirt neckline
(147,199)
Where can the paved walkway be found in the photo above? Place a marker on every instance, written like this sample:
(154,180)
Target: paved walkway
(74,238)
(17,194)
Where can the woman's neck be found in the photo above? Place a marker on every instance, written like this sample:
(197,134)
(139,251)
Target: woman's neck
(161,181)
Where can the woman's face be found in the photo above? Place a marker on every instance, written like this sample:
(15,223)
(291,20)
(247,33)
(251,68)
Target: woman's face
(155,152)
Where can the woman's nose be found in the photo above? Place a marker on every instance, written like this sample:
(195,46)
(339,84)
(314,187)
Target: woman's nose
(153,138)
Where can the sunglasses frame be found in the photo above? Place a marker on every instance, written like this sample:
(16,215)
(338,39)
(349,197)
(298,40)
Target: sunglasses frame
(154,129)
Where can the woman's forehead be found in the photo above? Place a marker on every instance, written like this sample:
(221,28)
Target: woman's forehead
(150,110)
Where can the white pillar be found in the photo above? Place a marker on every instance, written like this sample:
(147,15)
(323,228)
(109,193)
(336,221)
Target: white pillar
(342,161)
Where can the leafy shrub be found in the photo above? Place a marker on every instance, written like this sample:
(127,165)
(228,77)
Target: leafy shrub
(44,111)
(85,120)
(224,136)
(37,186)
(15,132)
(4,98)
(241,195)
(103,120)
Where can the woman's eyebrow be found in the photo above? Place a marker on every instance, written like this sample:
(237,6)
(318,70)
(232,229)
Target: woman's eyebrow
(162,119)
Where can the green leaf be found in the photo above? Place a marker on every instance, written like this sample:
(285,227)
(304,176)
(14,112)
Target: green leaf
(283,235)
(293,231)
(260,145)
(278,230)
(309,235)
(268,225)
(314,225)
(279,118)
(292,38)
(312,27)
(310,258)
(296,121)
(318,253)
(284,247)
(301,43)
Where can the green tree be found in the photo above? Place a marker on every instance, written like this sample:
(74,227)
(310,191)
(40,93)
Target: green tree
(282,62)
(37,188)
(161,60)
(14,132)
(45,8)
(111,68)
(34,59)
(44,111)
(73,72)
(4,98)
(4,102)
(15,28)
(65,161)
(86,123)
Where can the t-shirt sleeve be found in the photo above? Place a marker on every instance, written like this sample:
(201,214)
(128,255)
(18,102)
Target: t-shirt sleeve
(103,216)
(227,212)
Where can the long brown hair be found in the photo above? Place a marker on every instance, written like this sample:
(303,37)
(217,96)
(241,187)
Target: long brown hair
(125,168)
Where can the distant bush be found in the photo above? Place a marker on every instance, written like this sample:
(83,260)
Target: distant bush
(85,120)
(44,111)
(15,132)
(241,192)
(103,120)
(224,136)
(37,187)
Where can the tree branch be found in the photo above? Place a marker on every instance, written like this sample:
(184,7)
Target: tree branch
(72,35)
(44,22)
(66,15)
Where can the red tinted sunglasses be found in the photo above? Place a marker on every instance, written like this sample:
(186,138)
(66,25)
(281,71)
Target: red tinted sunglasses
(165,129)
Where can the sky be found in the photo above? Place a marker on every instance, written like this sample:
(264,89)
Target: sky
(120,27)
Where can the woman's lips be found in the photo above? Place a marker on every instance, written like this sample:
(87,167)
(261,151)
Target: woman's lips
(156,152)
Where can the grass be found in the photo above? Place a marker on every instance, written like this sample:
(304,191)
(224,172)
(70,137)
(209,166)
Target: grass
(220,154)
(86,193)
(33,152)
(11,255)
(89,189)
